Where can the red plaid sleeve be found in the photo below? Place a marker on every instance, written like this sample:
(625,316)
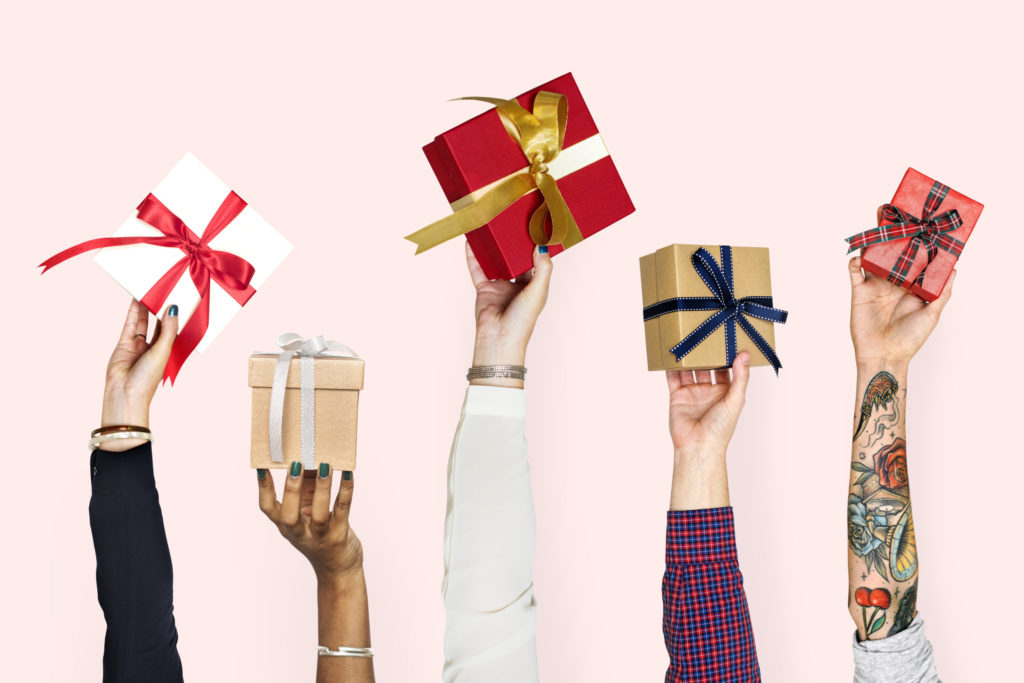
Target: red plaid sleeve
(706,620)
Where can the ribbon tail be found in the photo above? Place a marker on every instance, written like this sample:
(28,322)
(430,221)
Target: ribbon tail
(760,342)
(702,332)
(307,411)
(564,230)
(275,422)
(475,215)
(189,337)
(158,293)
(100,243)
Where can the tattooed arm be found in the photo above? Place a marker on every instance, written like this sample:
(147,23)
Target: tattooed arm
(888,326)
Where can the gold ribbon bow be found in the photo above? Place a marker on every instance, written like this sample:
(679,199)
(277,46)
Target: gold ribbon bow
(540,136)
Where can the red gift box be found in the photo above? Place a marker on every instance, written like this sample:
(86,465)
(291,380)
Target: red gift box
(911,196)
(479,152)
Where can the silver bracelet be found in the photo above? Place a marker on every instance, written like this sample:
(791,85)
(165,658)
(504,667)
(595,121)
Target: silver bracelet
(503,371)
(345,652)
(95,441)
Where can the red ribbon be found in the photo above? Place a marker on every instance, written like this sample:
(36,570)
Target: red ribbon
(231,272)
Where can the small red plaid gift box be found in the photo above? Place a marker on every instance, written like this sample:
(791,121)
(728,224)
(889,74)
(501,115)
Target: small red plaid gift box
(546,142)
(921,235)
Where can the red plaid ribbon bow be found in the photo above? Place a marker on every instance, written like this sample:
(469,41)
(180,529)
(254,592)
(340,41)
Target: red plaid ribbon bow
(929,231)
(204,264)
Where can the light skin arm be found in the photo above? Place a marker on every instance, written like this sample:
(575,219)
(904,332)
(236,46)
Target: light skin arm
(888,326)
(702,419)
(322,533)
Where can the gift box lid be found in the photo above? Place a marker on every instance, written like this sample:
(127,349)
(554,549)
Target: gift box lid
(332,372)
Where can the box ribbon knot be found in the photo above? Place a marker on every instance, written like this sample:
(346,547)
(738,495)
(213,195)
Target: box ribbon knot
(230,271)
(307,350)
(731,311)
(929,230)
(540,136)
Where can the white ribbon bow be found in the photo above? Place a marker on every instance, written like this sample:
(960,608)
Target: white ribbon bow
(307,349)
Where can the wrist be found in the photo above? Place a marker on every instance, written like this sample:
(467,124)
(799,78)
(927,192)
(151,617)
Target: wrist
(494,351)
(698,453)
(873,365)
(341,584)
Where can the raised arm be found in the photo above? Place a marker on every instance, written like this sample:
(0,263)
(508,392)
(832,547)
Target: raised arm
(134,579)
(321,532)
(888,326)
(706,621)
(489,527)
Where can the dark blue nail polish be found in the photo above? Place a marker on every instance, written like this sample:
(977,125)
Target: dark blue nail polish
(543,249)
(347,476)
(173,310)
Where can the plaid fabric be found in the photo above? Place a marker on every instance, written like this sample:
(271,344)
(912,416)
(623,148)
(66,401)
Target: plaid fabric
(928,231)
(706,621)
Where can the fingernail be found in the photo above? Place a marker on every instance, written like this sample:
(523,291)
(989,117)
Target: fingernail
(543,249)
(325,469)
(347,476)
(296,469)
(173,310)
(746,359)
(262,474)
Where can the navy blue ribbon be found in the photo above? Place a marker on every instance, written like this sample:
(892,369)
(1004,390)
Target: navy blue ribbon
(730,310)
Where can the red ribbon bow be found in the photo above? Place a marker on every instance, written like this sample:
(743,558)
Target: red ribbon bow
(231,272)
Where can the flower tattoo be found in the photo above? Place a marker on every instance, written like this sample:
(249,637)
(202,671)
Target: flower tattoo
(891,465)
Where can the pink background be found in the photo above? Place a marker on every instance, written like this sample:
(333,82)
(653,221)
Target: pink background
(778,124)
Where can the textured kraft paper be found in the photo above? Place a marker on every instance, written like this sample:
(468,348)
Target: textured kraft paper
(669,273)
(338,381)
(878,259)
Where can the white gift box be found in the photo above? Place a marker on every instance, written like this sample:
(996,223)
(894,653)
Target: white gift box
(192,193)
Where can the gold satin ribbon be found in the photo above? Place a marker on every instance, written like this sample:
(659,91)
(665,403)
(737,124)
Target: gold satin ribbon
(540,135)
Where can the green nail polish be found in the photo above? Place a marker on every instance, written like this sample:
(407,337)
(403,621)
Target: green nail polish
(262,474)
(347,476)
(173,310)
(296,469)
(325,469)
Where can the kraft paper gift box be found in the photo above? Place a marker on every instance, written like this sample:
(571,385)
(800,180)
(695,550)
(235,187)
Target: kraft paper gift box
(920,198)
(192,231)
(338,380)
(470,157)
(669,282)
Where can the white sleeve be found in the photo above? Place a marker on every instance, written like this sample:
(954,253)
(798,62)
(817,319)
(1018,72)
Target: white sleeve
(489,540)
(903,658)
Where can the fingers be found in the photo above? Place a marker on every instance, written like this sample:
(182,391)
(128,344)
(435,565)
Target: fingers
(878,215)
(268,498)
(290,500)
(343,503)
(476,273)
(722,376)
(737,394)
(702,376)
(856,275)
(321,512)
(131,321)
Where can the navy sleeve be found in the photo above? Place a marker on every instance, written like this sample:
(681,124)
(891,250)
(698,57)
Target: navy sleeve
(134,579)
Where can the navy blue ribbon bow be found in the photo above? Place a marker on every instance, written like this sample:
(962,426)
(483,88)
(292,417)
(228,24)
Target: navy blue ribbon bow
(731,311)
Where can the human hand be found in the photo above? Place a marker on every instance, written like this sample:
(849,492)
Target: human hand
(304,516)
(888,322)
(506,312)
(702,416)
(134,372)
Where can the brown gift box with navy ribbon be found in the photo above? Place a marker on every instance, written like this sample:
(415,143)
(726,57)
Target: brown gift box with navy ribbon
(705,304)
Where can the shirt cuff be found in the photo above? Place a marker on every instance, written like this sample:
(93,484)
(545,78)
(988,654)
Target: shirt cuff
(700,536)
(501,401)
(123,473)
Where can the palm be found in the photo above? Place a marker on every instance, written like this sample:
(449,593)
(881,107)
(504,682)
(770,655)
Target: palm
(497,304)
(697,413)
(887,321)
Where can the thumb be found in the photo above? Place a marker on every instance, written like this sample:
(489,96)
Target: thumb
(537,287)
(737,394)
(160,350)
(856,276)
(935,307)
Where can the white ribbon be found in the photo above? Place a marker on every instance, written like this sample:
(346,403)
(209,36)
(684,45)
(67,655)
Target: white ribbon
(307,349)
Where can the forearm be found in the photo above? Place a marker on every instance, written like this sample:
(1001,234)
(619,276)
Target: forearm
(699,481)
(343,618)
(882,551)
(134,578)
